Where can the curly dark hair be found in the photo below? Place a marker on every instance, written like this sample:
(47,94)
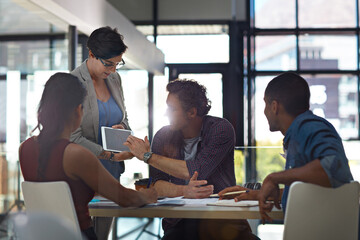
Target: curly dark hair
(106,43)
(191,94)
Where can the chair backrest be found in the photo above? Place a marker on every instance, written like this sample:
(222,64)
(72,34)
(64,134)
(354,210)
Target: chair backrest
(315,212)
(51,197)
(41,226)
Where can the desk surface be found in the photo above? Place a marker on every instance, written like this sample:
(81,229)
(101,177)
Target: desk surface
(207,212)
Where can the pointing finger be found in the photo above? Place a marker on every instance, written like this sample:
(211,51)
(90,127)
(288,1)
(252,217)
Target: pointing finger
(194,176)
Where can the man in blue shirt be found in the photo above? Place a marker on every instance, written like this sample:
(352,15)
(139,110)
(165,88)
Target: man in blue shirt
(313,149)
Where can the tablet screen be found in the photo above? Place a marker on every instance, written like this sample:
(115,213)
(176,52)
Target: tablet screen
(113,139)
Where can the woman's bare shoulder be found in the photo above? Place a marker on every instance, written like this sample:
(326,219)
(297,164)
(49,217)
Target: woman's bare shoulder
(76,158)
(78,152)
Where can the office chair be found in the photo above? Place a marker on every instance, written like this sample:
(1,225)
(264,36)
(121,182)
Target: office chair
(315,212)
(51,197)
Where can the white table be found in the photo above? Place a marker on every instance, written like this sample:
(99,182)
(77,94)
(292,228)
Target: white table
(110,209)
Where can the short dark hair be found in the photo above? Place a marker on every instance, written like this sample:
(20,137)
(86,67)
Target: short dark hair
(106,43)
(191,94)
(291,90)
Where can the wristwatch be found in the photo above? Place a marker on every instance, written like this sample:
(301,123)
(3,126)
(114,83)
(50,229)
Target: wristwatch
(111,156)
(147,156)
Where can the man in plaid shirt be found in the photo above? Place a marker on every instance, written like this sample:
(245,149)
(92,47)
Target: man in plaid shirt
(192,157)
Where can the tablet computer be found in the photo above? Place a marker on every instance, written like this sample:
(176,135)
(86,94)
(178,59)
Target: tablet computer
(113,139)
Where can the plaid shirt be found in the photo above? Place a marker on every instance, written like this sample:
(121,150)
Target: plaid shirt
(214,159)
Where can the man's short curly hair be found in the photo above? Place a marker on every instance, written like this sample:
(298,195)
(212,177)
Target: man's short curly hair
(191,94)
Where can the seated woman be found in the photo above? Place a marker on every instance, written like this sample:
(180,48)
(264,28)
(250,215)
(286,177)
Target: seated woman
(50,156)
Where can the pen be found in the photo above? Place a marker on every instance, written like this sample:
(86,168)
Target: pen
(149,183)
(230,193)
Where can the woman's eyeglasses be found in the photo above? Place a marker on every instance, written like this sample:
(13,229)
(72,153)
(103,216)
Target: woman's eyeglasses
(111,64)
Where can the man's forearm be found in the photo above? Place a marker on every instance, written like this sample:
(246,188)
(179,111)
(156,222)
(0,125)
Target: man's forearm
(312,172)
(167,189)
(174,167)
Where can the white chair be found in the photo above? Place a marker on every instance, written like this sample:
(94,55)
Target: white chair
(315,212)
(41,226)
(51,197)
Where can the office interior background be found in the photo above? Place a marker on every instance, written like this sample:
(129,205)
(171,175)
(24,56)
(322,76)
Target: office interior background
(233,47)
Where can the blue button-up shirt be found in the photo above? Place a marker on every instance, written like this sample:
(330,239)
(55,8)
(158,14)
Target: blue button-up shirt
(311,137)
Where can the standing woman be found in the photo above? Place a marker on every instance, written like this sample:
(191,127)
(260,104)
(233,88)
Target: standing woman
(104,105)
(50,156)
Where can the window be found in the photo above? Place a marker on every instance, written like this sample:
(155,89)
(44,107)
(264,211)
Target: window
(160,96)
(274,13)
(327,52)
(327,14)
(213,84)
(135,86)
(32,60)
(275,53)
(194,48)
(329,99)
(16,19)
(320,43)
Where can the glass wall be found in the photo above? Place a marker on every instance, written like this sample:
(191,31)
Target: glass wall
(194,48)
(135,86)
(24,67)
(275,53)
(318,40)
(274,13)
(327,52)
(333,97)
(327,14)
(160,96)
(190,45)
(30,56)
(322,51)
(213,83)
(269,144)
(18,20)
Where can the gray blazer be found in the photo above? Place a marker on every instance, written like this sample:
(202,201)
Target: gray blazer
(87,134)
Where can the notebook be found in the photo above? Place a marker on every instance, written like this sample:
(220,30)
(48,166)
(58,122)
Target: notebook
(176,201)
(232,203)
(113,139)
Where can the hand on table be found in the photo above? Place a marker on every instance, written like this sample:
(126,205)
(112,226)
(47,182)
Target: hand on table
(138,146)
(150,195)
(250,195)
(269,190)
(195,188)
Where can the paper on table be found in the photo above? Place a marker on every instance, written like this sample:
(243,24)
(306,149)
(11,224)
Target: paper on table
(199,202)
(232,203)
(101,201)
(176,201)
(183,201)
(229,193)
(168,201)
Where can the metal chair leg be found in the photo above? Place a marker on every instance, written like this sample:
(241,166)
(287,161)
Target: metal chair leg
(150,221)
